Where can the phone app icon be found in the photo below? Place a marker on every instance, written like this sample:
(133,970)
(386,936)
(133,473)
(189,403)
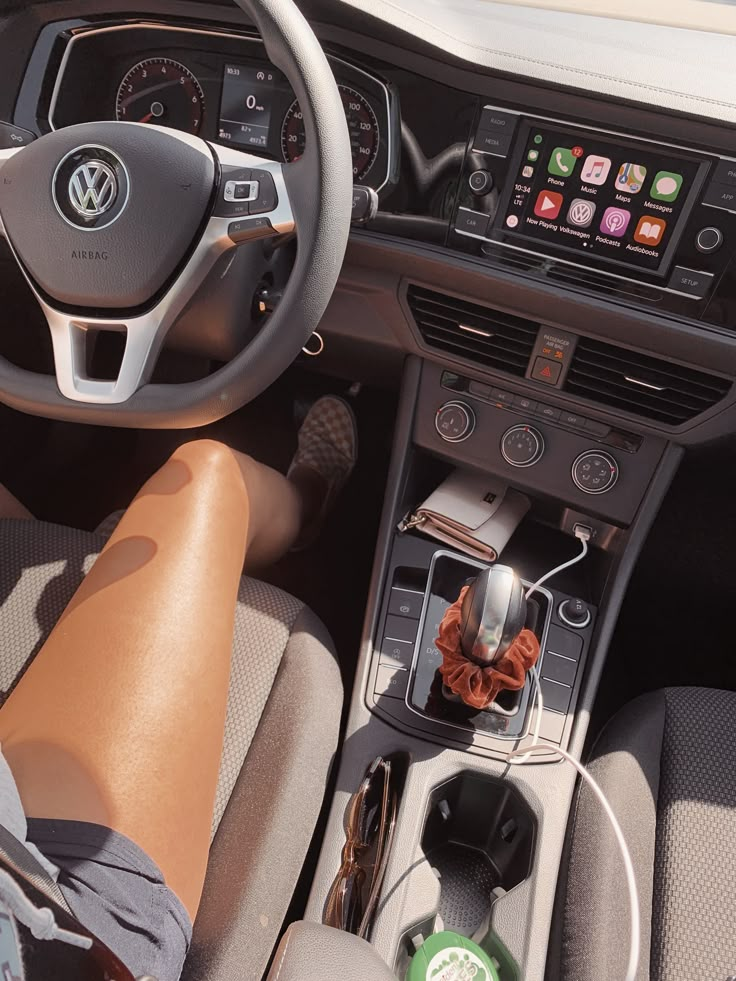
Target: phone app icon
(631,177)
(580,212)
(615,221)
(548,204)
(562,162)
(649,231)
(595,169)
(666,185)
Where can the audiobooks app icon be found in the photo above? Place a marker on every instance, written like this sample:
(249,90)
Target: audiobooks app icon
(649,231)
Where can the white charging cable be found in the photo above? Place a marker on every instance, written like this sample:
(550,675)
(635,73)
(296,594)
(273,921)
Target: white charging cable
(518,756)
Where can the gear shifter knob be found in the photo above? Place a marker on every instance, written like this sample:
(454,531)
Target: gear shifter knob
(493,614)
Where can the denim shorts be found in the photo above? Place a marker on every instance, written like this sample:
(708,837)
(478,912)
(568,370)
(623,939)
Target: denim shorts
(119,893)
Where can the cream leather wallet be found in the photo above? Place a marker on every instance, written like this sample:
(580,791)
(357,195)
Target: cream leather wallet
(472,513)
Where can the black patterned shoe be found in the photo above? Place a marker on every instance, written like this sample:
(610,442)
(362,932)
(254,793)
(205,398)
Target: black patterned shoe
(326,455)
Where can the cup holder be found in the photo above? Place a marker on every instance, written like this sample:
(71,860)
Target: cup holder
(479,839)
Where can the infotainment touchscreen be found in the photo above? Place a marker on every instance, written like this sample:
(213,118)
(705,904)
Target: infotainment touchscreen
(596,195)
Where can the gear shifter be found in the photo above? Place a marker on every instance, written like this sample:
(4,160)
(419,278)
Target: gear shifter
(492,615)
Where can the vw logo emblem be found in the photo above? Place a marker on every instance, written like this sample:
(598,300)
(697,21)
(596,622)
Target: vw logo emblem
(90,187)
(93,188)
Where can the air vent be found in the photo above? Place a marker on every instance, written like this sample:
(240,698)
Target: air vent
(468,330)
(641,384)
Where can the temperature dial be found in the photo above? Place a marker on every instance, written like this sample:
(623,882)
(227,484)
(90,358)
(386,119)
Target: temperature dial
(455,421)
(522,446)
(594,472)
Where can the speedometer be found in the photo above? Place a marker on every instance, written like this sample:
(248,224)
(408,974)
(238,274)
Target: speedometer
(362,125)
(161,91)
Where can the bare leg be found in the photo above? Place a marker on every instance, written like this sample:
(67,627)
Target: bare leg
(120,718)
(10,507)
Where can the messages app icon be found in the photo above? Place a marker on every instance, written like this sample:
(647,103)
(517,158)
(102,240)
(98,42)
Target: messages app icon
(562,162)
(666,185)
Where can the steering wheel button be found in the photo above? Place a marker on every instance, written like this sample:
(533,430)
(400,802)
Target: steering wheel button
(241,190)
(250,228)
(265,198)
(13,137)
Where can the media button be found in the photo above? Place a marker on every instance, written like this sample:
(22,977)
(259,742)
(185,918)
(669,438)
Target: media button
(494,142)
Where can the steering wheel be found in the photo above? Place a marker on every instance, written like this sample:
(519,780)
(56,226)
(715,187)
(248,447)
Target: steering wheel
(116,225)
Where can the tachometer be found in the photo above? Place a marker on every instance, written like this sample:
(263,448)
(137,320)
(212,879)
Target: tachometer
(362,124)
(161,91)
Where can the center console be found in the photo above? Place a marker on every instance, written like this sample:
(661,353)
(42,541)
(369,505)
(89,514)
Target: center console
(644,222)
(478,842)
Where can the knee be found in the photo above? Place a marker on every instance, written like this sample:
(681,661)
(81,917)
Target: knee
(208,458)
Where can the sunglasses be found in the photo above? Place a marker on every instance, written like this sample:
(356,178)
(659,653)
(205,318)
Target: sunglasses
(371,818)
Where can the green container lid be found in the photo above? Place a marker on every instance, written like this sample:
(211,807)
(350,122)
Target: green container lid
(447,956)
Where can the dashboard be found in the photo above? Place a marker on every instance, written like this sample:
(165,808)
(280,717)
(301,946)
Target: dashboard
(577,244)
(217,85)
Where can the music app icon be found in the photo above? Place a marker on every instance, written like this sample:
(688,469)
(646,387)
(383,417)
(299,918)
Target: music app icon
(595,169)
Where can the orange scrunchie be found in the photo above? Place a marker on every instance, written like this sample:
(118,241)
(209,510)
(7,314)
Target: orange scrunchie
(478,686)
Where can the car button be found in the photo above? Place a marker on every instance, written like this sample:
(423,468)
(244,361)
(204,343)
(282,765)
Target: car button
(406,603)
(471,222)
(548,412)
(266,197)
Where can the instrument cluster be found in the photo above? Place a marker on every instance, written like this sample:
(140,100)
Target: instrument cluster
(219,86)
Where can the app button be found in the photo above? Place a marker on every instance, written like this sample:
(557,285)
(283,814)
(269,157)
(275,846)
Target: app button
(548,204)
(562,162)
(666,186)
(512,221)
(581,212)
(527,171)
(595,169)
(615,222)
(631,178)
(649,231)
(533,155)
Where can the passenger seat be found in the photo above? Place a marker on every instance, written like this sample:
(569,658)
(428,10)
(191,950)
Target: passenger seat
(667,763)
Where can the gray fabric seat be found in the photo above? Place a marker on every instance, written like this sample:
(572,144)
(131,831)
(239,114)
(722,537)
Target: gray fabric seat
(282,728)
(667,763)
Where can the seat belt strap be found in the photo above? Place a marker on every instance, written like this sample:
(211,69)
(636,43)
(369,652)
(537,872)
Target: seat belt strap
(17,857)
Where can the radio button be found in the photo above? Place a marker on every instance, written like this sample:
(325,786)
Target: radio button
(709,240)
(691,281)
(494,121)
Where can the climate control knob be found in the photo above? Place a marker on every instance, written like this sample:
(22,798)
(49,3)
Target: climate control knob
(522,446)
(594,472)
(455,421)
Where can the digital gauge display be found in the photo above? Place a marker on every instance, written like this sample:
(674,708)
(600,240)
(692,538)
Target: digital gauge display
(247,101)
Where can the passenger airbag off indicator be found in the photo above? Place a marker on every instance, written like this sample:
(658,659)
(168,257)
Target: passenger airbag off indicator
(551,356)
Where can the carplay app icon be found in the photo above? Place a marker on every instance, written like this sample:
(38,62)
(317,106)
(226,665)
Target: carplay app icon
(580,212)
(595,169)
(562,162)
(630,178)
(649,231)
(666,186)
(548,204)
(615,221)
